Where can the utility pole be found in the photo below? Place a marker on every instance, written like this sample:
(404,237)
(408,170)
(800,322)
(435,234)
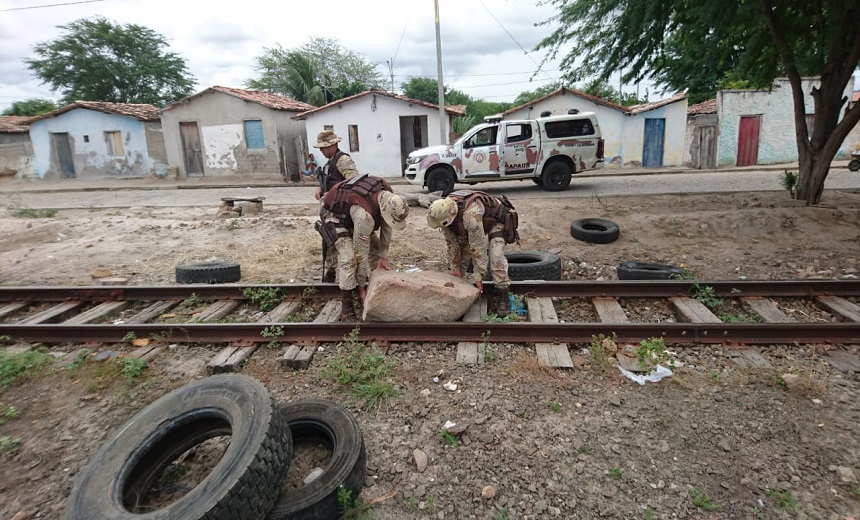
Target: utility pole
(391,72)
(443,118)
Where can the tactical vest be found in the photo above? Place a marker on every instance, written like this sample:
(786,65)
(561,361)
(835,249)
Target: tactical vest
(496,211)
(332,174)
(362,190)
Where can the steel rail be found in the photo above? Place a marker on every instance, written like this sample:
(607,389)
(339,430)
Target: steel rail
(570,289)
(793,333)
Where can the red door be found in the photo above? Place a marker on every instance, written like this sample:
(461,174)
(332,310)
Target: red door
(748,140)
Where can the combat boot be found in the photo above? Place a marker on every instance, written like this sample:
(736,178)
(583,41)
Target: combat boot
(490,295)
(330,276)
(347,311)
(502,304)
(357,303)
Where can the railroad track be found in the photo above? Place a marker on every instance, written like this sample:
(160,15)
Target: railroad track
(307,314)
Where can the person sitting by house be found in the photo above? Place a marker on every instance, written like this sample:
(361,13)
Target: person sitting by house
(310,167)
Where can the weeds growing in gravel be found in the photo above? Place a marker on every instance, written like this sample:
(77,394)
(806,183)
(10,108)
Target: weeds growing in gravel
(649,514)
(782,499)
(362,371)
(352,509)
(702,501)
(788,179)
(652,352)
(555,406)
(274,332)
(8,412)
(267,298)
(14,367)
(599,351)
(131,368)
(34,213)
(616,472)
(9,444)
(502,514)
(449,438)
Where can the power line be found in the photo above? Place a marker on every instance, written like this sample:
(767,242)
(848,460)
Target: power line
(512,38)
(49,5)
(472,75)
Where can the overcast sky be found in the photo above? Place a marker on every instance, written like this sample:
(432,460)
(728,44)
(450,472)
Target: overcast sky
(484,42)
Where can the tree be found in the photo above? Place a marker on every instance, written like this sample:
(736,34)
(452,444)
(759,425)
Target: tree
(753,40)
(30,107)
(602,89)
(427,89)
(97,60)
(528,96)
(321,63)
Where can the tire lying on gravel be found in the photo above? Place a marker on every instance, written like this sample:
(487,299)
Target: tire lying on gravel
(531,265)
(243,484)
(594,230)
(648,271)
(320,421)
(208,272)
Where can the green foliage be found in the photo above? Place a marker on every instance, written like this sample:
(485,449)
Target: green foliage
(362,371)
(30,107)
(9,444)
(13,367)
(449,439)
(616,472)
(701,500)
(98,60)
(555,406)
(598,351)
(79,360)
(502,514)
(602,89)
(131,368)
(8,412)
(351,509)
(273,331)
(233,225)
(427,89)
(782,499)
(267,298)
(788,179)
(527,96)
(130,336)
(34,213)
(585,449)
(652,352)
(318,72)
(649,514)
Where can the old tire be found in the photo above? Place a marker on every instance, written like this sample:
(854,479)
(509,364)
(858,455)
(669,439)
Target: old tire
(440,179)
(325,422)
(854,165)
(648,271)
(531,265)
(594,230)
(208,272)
(244,483)
(556,176)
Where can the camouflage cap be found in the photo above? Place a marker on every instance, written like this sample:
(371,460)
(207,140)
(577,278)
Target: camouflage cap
(326,138)
(394,209)
(441,213)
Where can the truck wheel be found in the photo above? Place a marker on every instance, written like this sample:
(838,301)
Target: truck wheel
(323,422)
(243,484)
(854,165)
(440,180)
(556,176)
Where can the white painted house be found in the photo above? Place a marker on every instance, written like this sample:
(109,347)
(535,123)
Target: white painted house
(650,135)
(378,129)
(757,126)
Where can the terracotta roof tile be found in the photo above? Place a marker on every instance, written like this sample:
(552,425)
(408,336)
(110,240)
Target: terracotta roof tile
(266,99)
(14,124)
(138,111)
(705,107)
(454,110)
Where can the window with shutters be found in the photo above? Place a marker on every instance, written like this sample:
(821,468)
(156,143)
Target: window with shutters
(254,134)
(113,140)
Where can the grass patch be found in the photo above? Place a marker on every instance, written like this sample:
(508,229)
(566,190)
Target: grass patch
(702,501)
(600,349)
(782,499)
(9,444)
(555,406)
(362,371)
(352,508)
(267,298)
(34,213)
(8,412)
(449,439)
(14,367)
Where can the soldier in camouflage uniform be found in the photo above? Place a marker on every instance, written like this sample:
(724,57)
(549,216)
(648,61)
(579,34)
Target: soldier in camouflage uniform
(471,232)
(353,210)
(339,167)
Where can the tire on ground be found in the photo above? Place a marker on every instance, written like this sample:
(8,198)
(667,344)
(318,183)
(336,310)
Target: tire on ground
(594,230)
(324,422)
(440,179)
(531,265)
(208,272)
(245,482)
(648,271)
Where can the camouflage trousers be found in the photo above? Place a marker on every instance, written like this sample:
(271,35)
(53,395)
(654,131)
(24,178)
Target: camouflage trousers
(497,262)
(345,260)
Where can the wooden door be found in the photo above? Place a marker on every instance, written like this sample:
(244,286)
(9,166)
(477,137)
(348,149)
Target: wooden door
(748,137)
(652,149)
(191,148)
(703,149)
(63,149)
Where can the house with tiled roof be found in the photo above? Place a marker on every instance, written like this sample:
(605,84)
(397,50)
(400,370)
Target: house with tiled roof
(700,142)
(379,129)
(16,151)
(98,139)
(648,135)
(229,131)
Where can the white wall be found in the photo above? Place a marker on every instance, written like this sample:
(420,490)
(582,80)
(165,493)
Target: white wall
(777,143)
(378,121)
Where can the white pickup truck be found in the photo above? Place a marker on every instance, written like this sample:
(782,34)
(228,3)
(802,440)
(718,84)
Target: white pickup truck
(547,150)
